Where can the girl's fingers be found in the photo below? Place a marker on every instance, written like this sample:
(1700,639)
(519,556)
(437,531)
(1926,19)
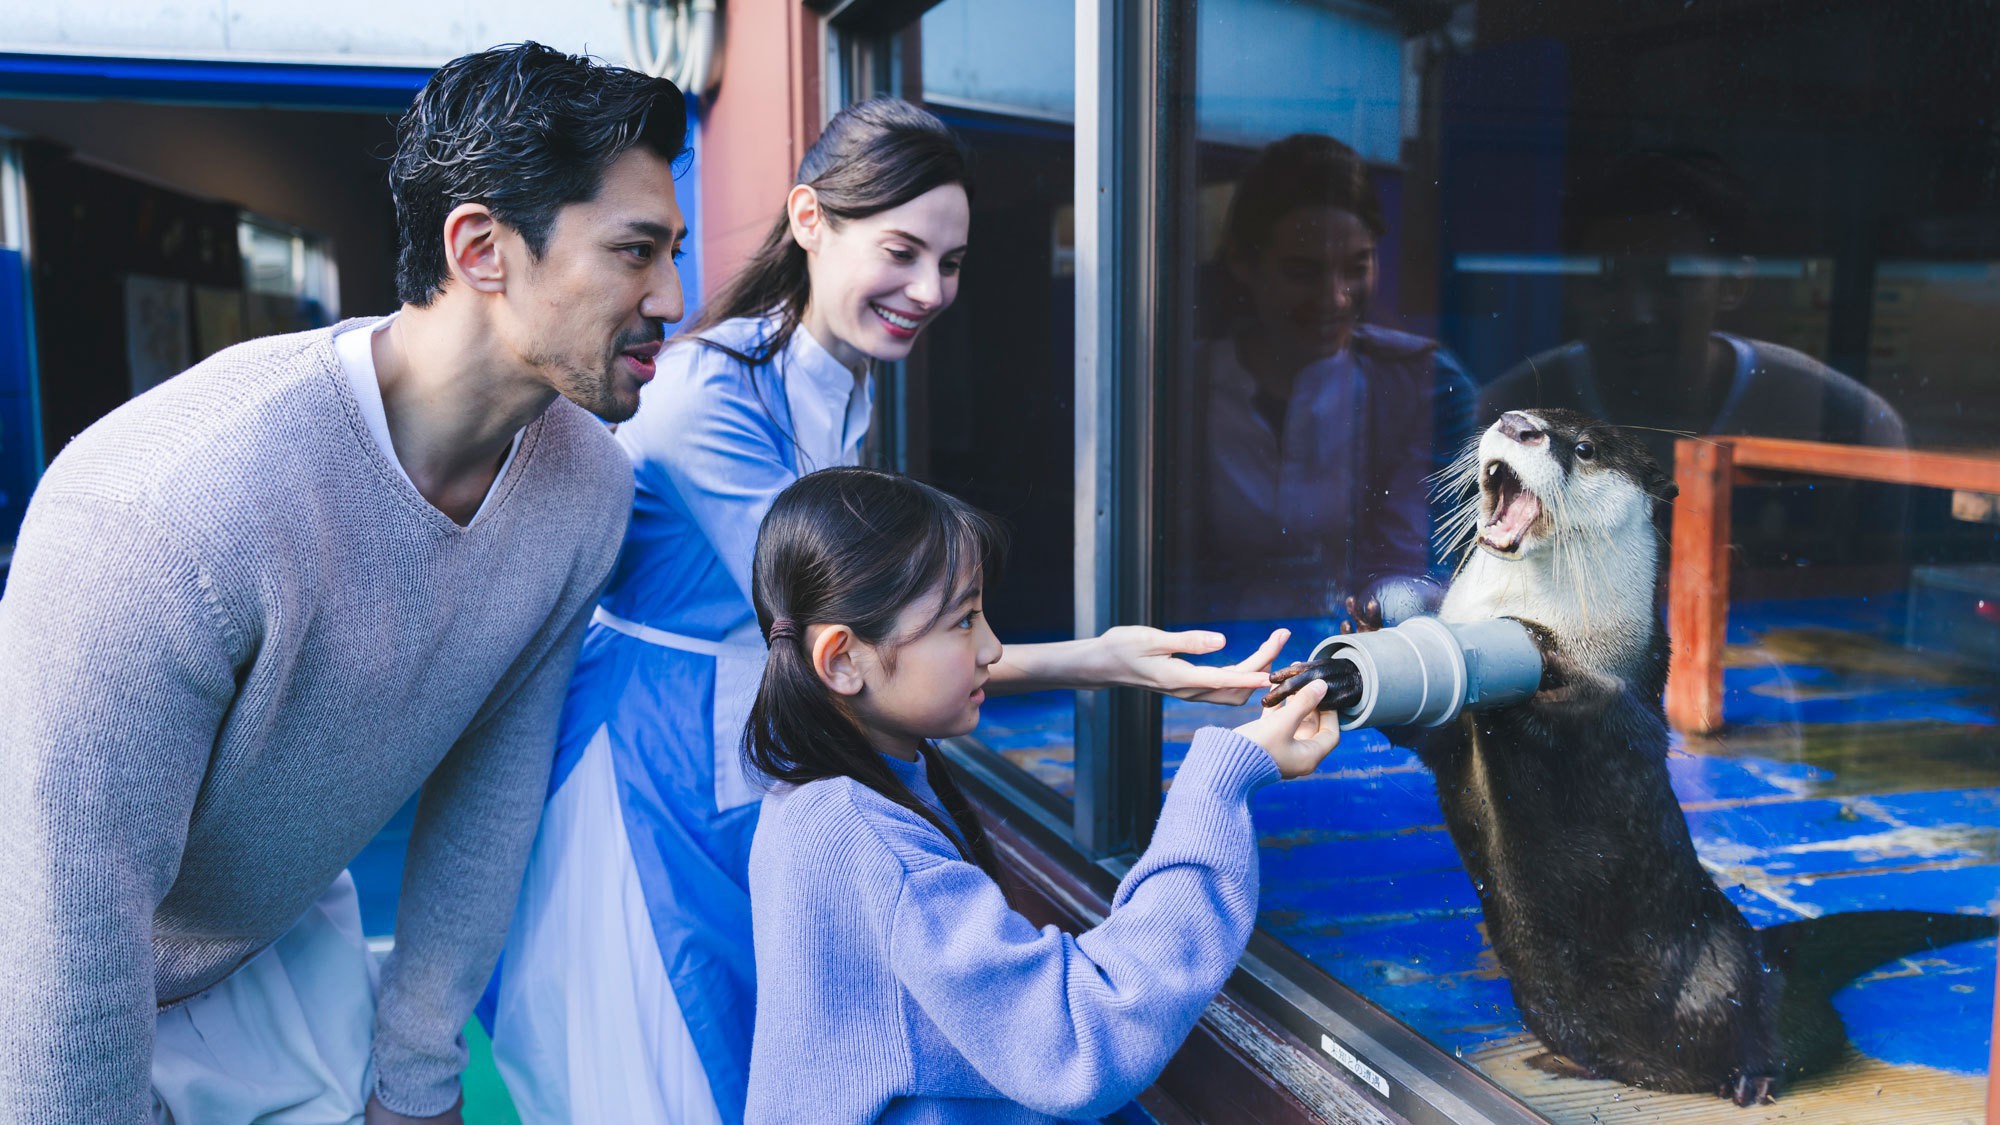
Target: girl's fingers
(1302,705)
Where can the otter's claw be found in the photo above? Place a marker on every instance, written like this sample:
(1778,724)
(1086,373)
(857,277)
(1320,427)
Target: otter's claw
(1343,683)
(1749,1090)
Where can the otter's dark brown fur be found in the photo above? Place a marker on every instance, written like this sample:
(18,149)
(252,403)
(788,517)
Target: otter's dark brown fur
(1624,957)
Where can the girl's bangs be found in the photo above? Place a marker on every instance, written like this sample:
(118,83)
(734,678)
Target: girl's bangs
(962,547)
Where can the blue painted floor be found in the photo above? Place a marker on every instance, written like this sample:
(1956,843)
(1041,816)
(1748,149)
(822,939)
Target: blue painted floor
(1854,775)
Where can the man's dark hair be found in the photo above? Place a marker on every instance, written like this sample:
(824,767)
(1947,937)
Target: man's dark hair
(525,130)
(1692,182)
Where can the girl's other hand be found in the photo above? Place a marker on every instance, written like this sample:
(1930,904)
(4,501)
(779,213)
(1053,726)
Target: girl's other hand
(1295,733)
(1140,656)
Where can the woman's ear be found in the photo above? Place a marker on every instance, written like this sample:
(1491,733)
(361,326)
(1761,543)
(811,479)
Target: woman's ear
(833,657)
(807,220)
(472,248)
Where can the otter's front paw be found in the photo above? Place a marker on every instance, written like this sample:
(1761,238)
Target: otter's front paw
(1343,683)
(1750,1089)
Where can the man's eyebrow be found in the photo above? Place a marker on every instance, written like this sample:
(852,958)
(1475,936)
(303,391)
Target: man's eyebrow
(658,231)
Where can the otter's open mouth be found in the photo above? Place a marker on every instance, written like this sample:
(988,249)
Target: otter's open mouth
(1509,509)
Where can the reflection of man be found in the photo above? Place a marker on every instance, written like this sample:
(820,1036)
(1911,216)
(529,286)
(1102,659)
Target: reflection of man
(1668,230)
(255,609)
(1314,430)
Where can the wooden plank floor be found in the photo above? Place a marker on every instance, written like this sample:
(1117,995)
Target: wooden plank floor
(1863,1091)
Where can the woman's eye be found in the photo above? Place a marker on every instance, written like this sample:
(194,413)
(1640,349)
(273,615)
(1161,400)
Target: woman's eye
(902,255)
(1585,451)
(950,269)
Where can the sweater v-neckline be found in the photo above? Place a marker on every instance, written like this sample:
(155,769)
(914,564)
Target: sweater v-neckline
(396,478)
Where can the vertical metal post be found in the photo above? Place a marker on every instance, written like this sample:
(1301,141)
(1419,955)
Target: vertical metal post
(15,235)
(861,65)
(1125,158)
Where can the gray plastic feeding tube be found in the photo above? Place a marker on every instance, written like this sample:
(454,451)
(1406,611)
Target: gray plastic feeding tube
(1424,671)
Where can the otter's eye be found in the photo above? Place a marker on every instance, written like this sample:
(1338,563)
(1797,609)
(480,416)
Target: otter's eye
(1584,451)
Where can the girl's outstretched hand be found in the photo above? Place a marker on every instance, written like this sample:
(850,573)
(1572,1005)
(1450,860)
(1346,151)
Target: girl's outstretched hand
(1295,733)
(1140,656)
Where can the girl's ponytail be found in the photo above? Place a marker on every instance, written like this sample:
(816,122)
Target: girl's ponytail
(857,546)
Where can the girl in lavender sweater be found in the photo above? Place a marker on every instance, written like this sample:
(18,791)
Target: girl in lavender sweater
(894,982)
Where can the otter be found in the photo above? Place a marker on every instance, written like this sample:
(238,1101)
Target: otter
(1625,958)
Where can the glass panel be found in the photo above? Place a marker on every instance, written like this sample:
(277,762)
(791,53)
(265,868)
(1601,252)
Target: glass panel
(991,389)
(290,279)
(1733,219)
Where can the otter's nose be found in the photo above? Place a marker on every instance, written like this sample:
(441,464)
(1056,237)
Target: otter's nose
(1522,428)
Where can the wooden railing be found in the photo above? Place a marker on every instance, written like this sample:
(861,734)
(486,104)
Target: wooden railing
(1698,586)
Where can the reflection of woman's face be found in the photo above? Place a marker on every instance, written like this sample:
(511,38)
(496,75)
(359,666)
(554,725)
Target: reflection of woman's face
(1311,284)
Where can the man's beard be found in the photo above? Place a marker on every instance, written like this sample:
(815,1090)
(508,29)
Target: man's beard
(596,391)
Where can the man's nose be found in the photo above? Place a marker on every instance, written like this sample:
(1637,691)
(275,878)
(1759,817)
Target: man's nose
(663,300)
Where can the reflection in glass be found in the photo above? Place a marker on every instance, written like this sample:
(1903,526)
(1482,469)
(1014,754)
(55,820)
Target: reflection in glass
(1664,234)
(1303,422)
(1693,224)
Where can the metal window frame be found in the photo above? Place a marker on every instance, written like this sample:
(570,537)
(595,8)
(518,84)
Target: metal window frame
(1127,155)
(16,234)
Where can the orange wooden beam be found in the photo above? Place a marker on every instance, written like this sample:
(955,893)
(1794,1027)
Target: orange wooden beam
(1971,472)
(1698,584)
(1993,1071)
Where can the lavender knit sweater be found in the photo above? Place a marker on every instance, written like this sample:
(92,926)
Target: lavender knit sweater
(894,984)
(234,642)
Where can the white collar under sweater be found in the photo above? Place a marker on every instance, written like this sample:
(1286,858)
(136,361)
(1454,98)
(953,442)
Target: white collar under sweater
(357,359)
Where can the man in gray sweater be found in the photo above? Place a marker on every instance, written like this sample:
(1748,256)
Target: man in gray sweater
(257,608)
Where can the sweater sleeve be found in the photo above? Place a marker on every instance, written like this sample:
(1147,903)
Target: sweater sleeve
(1077,1026)
(703,435)
(468,850)
(117,665)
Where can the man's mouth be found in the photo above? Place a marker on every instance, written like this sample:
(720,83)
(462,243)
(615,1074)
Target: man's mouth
(901,325)
(1508,508)
(640,359)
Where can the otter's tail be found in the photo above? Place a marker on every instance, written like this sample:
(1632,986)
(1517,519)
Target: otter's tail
(1833,950)
(1819,956)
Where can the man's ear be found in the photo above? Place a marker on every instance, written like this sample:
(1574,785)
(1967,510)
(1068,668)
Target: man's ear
(834,657)
(472,248)
(807,220)
(1735,288)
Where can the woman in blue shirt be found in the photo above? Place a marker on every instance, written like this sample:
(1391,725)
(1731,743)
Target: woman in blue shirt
(626,991)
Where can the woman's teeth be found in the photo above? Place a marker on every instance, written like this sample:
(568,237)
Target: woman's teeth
(907,324)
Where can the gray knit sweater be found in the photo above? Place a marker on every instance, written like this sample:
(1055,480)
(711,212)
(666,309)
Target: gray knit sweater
(234,642)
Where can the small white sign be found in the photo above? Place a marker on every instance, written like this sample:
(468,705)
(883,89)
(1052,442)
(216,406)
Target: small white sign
(1361,1070)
